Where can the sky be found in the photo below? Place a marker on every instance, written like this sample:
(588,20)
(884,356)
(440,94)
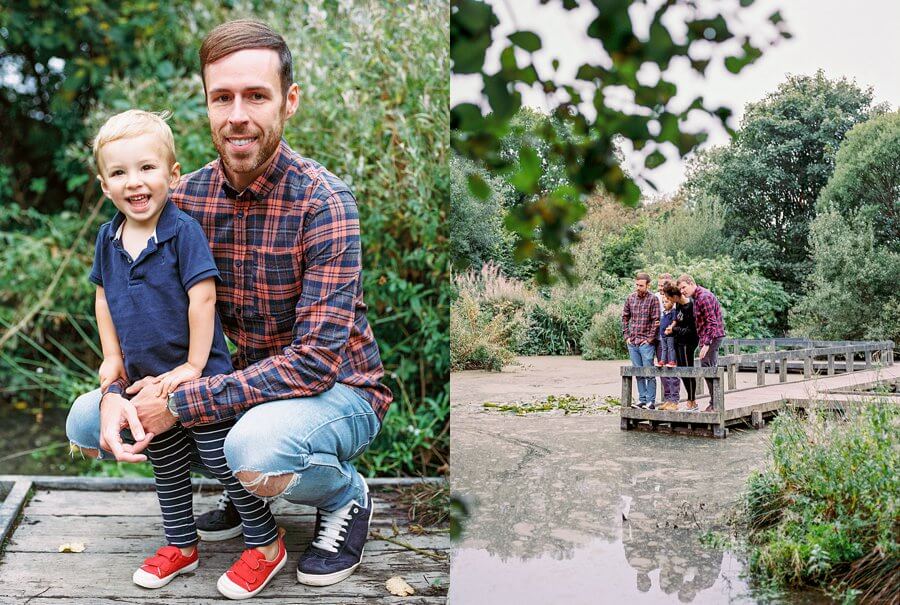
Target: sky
(856,40)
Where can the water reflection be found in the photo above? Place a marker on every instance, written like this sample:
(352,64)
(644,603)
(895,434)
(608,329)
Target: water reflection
(573,510)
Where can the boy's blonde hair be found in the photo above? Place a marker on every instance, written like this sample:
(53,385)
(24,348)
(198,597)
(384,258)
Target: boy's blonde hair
(134,123)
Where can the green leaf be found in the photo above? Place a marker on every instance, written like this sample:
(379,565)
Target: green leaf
(655,159)
(528,41)
(502,101)
(478,187)
(527,178)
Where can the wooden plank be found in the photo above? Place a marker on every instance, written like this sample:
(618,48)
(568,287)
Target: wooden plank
(782,370)
(11,506)
(99,576)
(831,365)
(96,484)
(309,598)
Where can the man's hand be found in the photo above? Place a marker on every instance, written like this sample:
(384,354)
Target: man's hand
(111,369)
(669,329)
(150,406)
(174,377)
(703,351)
(116,413)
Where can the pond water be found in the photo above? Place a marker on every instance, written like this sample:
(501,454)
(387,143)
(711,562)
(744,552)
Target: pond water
(570,509)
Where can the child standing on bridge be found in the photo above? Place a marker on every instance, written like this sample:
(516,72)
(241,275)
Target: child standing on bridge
(666,355)
(155,305)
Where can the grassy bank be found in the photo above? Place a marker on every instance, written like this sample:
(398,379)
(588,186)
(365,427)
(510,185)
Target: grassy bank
(825,512)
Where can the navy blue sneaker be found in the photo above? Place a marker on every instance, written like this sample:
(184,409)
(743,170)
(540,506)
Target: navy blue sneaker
(221,523)
(338,545)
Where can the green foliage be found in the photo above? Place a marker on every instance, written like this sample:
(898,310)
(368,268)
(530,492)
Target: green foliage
(477,341)
(852,291)
(751,304)
(824,513)
(590,156)
(866,177)
(477,235)
(603,339)
(685,231)
(373,112)
(768,178)
(560,318)
(621,252)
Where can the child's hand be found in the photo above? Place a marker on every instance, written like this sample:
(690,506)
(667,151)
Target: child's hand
(111,369)
(171,379)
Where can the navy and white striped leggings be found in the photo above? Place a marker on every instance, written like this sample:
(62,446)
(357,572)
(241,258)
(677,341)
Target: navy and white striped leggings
(170,454)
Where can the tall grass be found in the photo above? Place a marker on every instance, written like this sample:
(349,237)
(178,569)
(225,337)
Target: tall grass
(825,512)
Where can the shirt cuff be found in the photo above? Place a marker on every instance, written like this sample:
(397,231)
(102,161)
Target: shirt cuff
(190,399)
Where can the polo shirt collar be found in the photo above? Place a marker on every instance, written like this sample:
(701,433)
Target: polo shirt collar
(165,226)
(265,182)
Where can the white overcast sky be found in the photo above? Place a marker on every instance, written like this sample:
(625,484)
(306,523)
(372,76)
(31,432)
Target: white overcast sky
(857,40)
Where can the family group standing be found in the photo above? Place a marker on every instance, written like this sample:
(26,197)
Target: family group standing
(669,325)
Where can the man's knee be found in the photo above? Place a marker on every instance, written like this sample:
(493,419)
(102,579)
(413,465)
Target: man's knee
(265,486)
(83,424)
(88,452)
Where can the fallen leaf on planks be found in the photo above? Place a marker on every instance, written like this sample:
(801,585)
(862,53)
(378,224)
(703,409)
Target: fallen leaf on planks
(397,586)
(71,547)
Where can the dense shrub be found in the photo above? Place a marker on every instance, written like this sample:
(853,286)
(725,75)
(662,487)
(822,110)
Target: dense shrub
(685,231)
(852,292)
(374,104)
(558,321)
(824,513)
(477,340)
(603,339)
(477,234)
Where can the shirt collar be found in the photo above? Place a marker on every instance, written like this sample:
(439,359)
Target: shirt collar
(265,182)
(165,226)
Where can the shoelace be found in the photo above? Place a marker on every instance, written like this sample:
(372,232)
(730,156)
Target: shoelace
(223,501)
(333,528)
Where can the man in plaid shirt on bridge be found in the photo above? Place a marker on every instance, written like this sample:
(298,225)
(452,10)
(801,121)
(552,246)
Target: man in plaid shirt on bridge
(640,327)
(710,326)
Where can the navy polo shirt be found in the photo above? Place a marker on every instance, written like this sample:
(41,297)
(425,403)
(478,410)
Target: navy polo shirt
(147,296)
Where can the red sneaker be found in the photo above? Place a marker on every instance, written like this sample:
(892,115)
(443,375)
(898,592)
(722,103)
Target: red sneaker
(658,363)
(671,364)
(161,568)
(251,572)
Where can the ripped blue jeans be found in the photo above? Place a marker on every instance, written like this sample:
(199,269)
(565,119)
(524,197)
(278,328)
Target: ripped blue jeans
(312,438)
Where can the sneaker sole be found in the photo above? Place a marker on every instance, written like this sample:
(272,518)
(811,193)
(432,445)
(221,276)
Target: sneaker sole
(148,580)
(232,591)
(222,534)
(338,576)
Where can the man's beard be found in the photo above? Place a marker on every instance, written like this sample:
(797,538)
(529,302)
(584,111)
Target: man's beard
(267,142)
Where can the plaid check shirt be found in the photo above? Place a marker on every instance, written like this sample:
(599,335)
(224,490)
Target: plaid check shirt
(640,318)
(708,316)
(290,294)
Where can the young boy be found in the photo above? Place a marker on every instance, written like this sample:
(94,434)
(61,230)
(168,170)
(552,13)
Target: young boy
(155,306)
(666,355)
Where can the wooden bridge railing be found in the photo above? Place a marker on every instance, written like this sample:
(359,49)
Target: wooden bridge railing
(872,351)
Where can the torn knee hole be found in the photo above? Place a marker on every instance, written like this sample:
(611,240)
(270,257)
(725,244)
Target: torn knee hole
(83,451)
(264,485)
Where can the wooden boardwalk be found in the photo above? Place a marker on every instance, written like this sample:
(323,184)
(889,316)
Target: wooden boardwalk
(752,406)
(119,528)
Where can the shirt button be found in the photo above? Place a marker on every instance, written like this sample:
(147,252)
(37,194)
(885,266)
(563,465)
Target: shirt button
(240,215)
(238,263)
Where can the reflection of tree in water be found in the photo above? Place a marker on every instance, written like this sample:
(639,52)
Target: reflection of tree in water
(670,545)
(534,508)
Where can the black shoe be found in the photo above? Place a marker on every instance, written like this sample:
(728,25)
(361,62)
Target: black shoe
(337,549)
(221,523)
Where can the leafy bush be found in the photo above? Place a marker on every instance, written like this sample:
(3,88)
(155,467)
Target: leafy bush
(852,293)
(603,339)
(825,512)
(685,231)
(752,306)
(477,235)
(374,99)
(562,316)
(477,341)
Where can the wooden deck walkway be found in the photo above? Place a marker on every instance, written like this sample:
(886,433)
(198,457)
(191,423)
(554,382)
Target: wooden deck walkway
(752,406)
(119,528)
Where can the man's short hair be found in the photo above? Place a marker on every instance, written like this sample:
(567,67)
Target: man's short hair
(684,278)
(671,290)
(134,123)
(643,276)
(243,34)
(665,276)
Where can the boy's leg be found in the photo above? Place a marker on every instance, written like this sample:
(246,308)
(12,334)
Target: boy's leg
(83,430)
(170,456)
(259,526)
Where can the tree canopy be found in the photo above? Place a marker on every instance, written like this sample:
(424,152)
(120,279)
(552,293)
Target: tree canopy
(768,178)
